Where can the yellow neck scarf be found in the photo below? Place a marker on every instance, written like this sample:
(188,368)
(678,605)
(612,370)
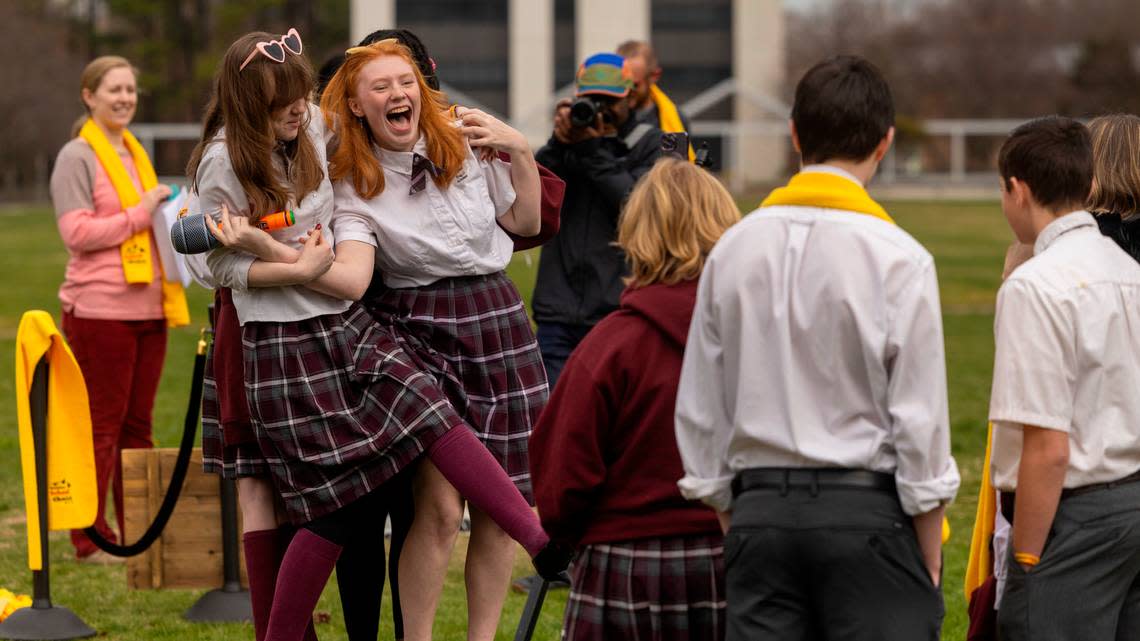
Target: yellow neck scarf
(819,189)
(668,117)
(136,250)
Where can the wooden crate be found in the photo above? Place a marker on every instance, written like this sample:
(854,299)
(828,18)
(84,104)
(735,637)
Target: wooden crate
(189,552)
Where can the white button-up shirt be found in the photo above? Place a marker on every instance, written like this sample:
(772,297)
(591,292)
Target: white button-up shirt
(1067,333)
(816,342)
(225,267)
(423,237)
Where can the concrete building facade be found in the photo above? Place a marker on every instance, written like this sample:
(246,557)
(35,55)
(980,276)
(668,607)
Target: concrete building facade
(514,57)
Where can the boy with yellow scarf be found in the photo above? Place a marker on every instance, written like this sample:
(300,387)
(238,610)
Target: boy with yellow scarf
(812,408)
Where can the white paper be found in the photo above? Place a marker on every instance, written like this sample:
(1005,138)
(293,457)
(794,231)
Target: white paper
(173,263)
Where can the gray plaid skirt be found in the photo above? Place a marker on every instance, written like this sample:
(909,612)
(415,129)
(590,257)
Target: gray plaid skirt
(472,333)
(658,589)
(338,408)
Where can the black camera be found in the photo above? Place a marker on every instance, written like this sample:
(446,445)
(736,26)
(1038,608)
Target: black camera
(585,109)
(675,144)
(678,144)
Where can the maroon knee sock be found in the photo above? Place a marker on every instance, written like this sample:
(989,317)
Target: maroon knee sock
(467,465)
(263,552)
(261,560)
(284,537)
(305,570)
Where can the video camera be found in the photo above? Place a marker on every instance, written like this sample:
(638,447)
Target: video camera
(585,109)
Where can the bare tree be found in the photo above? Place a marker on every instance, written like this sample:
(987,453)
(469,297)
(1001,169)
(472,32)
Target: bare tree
(43,97)
(979,58)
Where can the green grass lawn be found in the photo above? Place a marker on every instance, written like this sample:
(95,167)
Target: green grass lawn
(967,240)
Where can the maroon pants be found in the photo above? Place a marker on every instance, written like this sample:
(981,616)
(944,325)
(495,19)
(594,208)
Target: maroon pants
(121,363)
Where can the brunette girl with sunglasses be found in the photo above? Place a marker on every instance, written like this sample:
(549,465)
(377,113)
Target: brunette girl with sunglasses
(338,407)
(230,445)
(250,135)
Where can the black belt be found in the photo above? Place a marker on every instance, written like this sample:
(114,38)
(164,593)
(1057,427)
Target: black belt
(1008,499)
(782,479)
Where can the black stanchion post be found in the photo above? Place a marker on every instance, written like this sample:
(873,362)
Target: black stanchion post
(529,618)
(231,562)
(229,603)
(43,621)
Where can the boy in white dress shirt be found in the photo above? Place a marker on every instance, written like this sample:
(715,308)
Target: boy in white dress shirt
(812,406)
(1066,415)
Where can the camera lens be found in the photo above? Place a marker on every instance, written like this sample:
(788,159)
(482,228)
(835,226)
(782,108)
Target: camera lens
(583,112)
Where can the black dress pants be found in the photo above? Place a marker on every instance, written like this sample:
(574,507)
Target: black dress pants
(827,564)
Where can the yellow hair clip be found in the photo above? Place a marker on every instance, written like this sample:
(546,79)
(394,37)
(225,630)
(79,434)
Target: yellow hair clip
(370,47)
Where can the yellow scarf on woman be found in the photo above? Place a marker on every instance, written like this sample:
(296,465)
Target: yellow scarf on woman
(668,117)
(136,250)
(829,191)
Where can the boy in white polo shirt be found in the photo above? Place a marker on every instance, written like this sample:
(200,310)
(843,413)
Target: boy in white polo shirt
(1066,415)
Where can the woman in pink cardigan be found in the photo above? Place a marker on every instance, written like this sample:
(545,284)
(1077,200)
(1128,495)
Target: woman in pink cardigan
(117,329)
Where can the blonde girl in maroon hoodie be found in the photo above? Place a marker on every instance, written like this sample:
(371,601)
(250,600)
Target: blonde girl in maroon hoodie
(604,461)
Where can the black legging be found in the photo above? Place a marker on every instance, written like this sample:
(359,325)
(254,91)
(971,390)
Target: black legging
(360,569)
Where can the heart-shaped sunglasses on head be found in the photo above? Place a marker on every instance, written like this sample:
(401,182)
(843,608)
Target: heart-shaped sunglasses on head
(275,49)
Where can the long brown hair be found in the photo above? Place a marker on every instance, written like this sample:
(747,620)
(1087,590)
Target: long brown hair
(242,102)
(674,216)
(353,157)
(92,77)
(1116,165)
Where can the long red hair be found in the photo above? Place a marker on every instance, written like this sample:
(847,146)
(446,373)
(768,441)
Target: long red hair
(353,156)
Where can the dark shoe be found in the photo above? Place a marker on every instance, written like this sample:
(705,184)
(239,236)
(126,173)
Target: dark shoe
(551,561)
(525,584)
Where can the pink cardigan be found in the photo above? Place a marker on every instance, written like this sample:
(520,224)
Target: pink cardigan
(93,225)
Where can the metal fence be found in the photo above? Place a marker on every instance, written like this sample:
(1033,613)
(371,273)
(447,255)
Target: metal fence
(938,157)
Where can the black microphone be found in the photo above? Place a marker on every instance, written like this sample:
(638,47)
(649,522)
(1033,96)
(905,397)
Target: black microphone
(189,235)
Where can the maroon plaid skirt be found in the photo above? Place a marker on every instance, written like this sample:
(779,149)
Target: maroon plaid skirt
(338,408)
(473,334)
(229,446)
(660,589)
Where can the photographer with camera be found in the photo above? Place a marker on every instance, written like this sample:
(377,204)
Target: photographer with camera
(600,150)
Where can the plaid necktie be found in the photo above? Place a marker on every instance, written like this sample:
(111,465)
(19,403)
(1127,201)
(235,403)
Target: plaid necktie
(421,167)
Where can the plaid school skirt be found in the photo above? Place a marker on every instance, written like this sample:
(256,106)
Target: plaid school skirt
(338,408)
(659,589)
(229,445)
(473,335)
